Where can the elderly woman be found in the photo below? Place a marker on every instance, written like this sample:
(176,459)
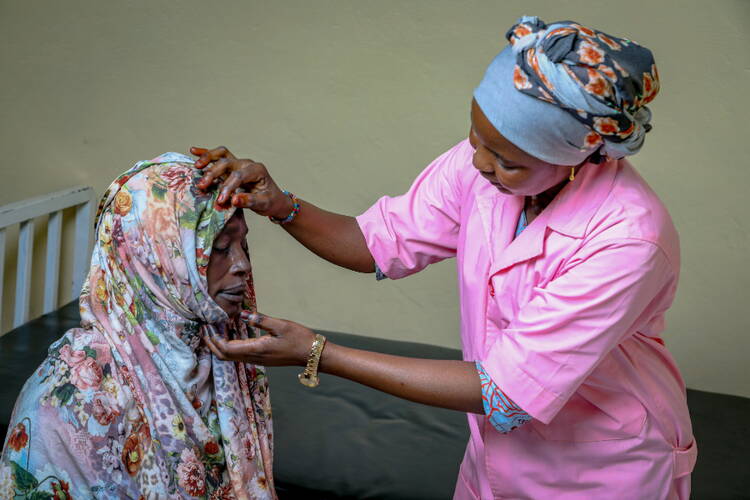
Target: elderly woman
(132,404)
(567,262)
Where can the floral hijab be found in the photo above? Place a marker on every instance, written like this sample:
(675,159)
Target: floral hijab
(132,404)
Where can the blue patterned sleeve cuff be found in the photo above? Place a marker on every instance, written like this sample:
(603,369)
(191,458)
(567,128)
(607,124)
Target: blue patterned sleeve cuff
(379,275)
(499,409)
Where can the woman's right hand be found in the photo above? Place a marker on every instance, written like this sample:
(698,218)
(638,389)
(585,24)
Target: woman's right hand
(259,192)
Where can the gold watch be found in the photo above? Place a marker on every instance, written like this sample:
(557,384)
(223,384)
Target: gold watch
(309,377)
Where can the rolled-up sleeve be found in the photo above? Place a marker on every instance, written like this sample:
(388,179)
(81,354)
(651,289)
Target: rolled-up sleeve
(406,233)
(568,326)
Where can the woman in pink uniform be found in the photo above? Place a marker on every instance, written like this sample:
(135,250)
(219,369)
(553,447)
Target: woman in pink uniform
(567,262)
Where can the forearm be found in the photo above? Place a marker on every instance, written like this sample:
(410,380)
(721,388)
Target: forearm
(444,383)
(334,237)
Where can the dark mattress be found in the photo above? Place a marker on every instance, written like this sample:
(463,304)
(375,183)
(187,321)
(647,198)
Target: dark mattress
(343,440)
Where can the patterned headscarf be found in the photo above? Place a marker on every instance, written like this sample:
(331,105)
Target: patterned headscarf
(601,82)
(133,404)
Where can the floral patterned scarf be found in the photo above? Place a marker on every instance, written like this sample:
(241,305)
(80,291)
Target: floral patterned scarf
(132,404)
(563,92)
(601,80)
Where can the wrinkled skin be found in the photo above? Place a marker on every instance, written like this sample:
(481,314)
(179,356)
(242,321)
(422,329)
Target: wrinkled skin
(229,266)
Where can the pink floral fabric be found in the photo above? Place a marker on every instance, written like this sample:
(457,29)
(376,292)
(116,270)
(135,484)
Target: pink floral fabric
(132,404)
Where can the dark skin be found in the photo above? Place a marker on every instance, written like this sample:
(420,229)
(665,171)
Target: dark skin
(229,266)
(337,238)
(512,170)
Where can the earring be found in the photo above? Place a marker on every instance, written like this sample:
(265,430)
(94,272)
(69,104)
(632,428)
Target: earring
(572,174)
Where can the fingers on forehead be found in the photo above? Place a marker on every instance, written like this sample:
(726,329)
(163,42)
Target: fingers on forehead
(207,170)
(221,152)
(222,162)
(251,171)
(217,153)
(217,168)
(231,183)
(244,200)
(211,155)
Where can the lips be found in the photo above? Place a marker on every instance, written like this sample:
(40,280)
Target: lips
(233,294)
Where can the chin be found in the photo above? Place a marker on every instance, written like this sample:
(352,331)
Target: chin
(232,309)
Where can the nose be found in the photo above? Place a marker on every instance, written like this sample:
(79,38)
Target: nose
(481,163)
(240,263)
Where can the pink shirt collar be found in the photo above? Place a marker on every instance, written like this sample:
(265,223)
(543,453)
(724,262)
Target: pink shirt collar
(570,213)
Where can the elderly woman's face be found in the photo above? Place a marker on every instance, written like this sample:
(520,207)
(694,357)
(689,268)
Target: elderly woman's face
(229,266)
(507,167)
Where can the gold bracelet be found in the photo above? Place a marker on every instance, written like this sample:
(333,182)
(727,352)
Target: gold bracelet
(309,377)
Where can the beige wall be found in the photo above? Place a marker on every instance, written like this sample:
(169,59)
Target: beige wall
(346,101)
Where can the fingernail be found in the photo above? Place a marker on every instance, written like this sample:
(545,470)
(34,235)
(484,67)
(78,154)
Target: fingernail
(247,316)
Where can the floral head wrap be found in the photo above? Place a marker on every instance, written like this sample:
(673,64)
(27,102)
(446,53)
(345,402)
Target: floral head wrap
(601,82)
(132,404)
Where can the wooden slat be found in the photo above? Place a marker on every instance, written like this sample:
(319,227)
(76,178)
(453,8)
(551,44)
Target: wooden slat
(14,213)
(52,264)
(81,255)
(23,272)
(2,271)
(23,213)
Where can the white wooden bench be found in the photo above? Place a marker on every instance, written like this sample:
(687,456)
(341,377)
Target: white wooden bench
(26,213)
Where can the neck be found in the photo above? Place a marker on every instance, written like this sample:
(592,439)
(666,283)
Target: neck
(539,202)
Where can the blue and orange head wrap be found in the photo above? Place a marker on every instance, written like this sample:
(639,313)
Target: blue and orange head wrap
(563,92)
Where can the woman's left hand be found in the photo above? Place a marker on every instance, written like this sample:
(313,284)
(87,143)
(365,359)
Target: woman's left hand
(287,343)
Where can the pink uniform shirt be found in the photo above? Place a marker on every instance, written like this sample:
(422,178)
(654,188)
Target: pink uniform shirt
(566,320)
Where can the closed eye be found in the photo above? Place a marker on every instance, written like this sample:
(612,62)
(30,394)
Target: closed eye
(503,163)
(500,159)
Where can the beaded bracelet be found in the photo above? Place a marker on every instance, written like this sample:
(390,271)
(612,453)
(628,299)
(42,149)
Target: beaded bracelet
(295,210)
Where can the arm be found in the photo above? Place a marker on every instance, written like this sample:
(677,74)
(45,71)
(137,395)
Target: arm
(538,362)
(334,237)
(407,233)
(444,383)
(402,234)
